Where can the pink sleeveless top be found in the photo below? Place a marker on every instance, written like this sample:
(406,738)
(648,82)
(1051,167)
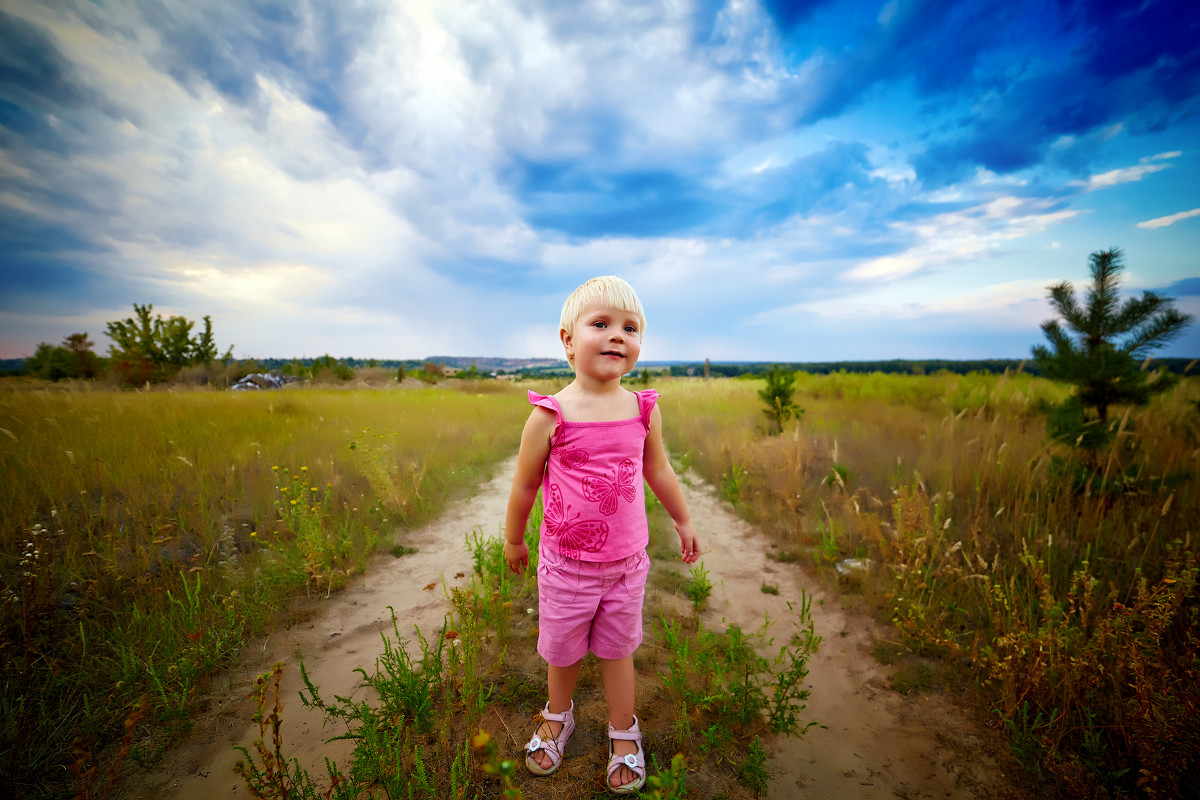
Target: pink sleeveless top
(592,493)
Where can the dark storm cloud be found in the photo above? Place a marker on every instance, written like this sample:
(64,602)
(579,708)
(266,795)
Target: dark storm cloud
(1006,80)
(44,103)
(854,53)
(226,45)
(1134,64)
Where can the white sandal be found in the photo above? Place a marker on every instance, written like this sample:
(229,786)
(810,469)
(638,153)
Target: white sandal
(636,762)
(551,747)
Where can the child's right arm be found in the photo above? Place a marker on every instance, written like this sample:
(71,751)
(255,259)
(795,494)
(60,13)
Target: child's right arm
(531,465)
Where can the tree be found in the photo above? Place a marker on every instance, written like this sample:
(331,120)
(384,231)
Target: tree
(72,359)
(327,367)
(778,396)
(175,340)
(50,363)
(1101,346)
(204,348)
(87,364)
(150,348)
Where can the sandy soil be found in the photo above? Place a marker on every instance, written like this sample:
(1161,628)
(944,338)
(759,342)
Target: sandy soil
(875,743)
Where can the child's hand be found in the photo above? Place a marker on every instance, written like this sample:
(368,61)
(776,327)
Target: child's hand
(517,555)
(689,543)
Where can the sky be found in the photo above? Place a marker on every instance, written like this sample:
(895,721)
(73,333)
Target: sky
(809,181)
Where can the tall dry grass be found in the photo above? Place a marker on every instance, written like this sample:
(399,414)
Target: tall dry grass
(144,536)
(1070,596)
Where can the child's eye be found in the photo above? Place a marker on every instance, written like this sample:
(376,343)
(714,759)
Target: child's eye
(630,329)
(599,324)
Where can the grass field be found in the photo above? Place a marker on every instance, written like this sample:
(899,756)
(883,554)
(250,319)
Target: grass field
(1065,597)
(146,535)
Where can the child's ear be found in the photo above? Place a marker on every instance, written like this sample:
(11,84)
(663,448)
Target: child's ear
(565,336)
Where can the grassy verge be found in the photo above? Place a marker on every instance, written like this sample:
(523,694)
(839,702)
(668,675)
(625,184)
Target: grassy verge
(1068,600)
(144,536)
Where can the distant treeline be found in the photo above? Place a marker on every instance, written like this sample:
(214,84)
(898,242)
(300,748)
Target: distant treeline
(723,369)
(894,366)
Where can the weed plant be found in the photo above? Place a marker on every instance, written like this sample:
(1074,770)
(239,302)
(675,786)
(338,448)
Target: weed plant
(1066,595)
(699,587)
(145,535)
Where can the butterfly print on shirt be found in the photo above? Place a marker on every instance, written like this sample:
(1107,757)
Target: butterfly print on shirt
(573,458)
(607,492)
(574,536)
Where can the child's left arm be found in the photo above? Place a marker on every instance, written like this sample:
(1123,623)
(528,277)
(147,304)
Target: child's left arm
(657,470)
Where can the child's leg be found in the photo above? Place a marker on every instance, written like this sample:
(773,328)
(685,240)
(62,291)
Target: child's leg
(618,677)
(560,684)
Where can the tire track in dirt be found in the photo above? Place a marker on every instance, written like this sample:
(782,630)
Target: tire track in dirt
(875,743)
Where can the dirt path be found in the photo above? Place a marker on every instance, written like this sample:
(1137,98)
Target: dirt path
(875,743)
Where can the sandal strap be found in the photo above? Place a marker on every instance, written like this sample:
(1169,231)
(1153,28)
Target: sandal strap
(638,765)
(548,745)
(631,735)
(550,716)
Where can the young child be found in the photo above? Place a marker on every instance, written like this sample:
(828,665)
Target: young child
(588,448)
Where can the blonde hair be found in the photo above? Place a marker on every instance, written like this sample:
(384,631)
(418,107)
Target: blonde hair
(607,288)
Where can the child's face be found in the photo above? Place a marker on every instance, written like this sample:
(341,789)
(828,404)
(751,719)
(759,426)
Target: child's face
(605,343)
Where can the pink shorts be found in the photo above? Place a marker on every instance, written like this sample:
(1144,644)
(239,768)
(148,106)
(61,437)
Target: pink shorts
(589,605)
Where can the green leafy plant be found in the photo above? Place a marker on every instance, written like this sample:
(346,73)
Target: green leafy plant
(777,395)
(670,783)
(699,587)
(723,678)
(752,772)
(324,543)
(1099,349)
(733,483)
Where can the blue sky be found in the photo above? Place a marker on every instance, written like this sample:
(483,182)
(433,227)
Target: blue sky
(780,181)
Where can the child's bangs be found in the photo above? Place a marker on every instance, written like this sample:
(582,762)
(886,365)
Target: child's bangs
(610,289)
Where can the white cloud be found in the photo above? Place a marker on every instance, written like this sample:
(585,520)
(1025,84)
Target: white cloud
(1170,219)
(1011,306)
(1117,176)
(956,237)
(899,175)
(243,286)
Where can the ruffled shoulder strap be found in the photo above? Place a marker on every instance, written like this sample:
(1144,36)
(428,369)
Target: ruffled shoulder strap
(647,399)
(546,401)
